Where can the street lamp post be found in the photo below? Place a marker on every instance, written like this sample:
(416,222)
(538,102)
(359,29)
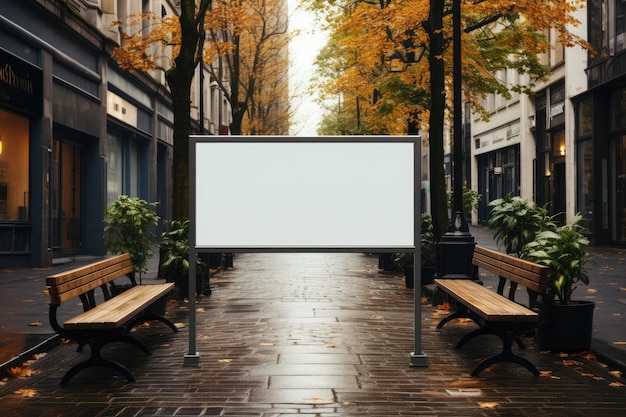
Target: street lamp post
(397,62)
(454,252)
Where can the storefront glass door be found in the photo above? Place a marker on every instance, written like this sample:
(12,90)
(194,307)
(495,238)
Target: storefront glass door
(66,198)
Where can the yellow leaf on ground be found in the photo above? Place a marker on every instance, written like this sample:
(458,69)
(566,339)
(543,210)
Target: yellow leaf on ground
(26,392)
(591,290)
(619,343)
(35,324)
(615,373)
(199,310)
(27,301)
(616,384)
(179,325)
(488,404)
(224,360)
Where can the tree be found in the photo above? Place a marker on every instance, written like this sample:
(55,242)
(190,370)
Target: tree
(186,34)
(246,38)
(498,34)
(248,44)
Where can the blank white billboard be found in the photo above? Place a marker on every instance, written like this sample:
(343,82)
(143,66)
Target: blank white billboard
(255,193)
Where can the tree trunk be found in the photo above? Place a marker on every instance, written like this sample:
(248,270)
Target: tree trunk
(179,79)
(439,200)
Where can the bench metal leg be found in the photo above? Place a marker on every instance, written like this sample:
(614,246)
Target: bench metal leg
(482,331)
(147,316)
(506,355)
(460,313)
(96,360)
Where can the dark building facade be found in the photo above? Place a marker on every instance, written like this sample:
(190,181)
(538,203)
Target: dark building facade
(75,133)
(601,126)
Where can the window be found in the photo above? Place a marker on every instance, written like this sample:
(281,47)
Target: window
(14,167)
(585,183)
(125,167)
(620,25)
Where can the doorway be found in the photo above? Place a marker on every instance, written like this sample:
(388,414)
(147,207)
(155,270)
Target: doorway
(66,198)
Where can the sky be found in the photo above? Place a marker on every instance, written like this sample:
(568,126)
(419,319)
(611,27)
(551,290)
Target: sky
(303,50)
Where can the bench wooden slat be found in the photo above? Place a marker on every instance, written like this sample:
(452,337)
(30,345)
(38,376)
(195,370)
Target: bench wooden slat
(486,303)
(529,274)
(65,286)
(120,309)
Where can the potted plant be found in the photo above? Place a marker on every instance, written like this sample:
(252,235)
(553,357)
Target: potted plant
(516,221)
(470,200)
(567,324)
(404,260)
(174,263)
(127,229)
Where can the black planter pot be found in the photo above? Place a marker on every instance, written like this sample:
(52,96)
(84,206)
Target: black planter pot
(408,277)
(385,261)
(567,328)
(428,274)
(427,277)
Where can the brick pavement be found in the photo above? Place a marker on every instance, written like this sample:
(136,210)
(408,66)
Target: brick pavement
(318,335)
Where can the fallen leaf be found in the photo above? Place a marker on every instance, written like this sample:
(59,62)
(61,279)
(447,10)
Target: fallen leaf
(616,384)
(572,362)
(27,301)
(199,310)
(617,314)
(267,344)
(46,292)
(316,400)
(619,343)
(622,288)
(488,404)
(616,373)
(165,345)
(591,290)
(38,356)
(224,360)
(179,325)
(26,392)
(35,324)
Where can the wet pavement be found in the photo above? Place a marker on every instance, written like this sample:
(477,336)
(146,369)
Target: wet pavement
(318,335)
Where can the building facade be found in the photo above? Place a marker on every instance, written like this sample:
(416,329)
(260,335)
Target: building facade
(600,120)
(76,132)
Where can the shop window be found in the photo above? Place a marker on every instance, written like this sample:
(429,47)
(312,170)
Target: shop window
(14,164)
(618,109)
(125,167)
(618,163)
(585,183)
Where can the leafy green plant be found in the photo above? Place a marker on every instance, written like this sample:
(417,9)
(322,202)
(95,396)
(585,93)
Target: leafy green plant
(427,242)
(470,200)
(175,251)
(127,223)
(516,221)
(427,246)
(564,250)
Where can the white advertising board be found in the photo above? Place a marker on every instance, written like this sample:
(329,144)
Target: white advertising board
(256,193)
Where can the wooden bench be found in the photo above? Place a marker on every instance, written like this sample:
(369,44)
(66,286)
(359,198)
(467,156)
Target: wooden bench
(109,321)
(494,312)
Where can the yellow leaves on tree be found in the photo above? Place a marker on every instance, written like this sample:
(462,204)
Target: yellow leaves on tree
(498,34)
